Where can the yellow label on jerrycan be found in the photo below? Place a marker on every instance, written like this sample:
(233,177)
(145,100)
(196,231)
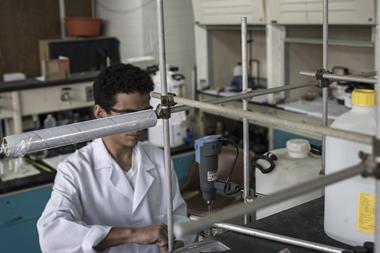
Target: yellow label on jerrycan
(365,221)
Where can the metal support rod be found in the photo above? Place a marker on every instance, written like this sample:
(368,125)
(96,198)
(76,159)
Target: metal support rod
(244,62)
(94,8)
(280,238)
(62,15)
(377,181)
(270,120)
(333,77)
(238,210)
(377,216)
(166,124)
(247,95)
(325,89)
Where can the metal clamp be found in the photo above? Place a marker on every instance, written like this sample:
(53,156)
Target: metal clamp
(246,91)
(372,161)
(376,157)
(163,109)
(319,76)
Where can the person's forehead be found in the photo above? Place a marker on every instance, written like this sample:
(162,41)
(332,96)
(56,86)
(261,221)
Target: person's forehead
(134,99)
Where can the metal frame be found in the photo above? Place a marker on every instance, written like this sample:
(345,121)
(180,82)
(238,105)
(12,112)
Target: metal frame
(166,123)
(280,238)
(244,61)
(369,165)
(241,209)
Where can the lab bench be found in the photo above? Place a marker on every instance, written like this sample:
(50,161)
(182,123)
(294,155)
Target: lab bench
(302,222)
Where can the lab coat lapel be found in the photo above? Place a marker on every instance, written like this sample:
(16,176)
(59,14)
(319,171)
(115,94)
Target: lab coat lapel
(103,160)
(144,178)
(120,182)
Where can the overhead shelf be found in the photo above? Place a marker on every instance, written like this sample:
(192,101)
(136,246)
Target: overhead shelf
(348,43)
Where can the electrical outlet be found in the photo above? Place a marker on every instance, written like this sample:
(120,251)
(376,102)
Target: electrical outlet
(89,94)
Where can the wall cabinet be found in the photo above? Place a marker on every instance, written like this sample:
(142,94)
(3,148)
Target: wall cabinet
(227,12)
(355,12)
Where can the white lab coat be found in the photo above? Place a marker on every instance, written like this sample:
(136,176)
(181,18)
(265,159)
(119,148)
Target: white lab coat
(91,194)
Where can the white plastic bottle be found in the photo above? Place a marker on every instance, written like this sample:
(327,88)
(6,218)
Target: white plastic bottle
(50,121)
(350,204)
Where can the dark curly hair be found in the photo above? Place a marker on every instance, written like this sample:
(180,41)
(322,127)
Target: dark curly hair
(120,78)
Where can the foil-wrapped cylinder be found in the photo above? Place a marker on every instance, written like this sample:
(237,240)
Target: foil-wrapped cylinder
(19,145)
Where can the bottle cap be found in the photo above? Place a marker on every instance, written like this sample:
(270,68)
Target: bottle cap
(364,97)
(298,148)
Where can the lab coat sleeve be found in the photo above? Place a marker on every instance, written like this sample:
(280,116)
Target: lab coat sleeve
(179,208)
(60,227)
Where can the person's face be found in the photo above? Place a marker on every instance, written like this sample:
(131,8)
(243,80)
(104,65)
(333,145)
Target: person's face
(125,102)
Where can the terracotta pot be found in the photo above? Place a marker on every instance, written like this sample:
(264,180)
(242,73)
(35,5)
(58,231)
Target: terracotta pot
(83,26)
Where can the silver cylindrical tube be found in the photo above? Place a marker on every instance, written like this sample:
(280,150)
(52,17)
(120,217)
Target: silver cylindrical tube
(20,144)
(334,77)
(239,210)
(244,62)
(166,124)
(280,238)
(270,120)
(325,90)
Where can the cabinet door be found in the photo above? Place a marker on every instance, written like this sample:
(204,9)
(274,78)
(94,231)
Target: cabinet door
(21,207)
(182,165)
(287,11)
(228,12)
(357,12)
(342,12)
(19,213)
(281,137)
(21,237)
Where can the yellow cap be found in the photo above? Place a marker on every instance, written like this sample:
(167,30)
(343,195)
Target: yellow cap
(364,97)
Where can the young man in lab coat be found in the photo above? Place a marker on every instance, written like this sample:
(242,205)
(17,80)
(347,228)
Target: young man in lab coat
(109,195)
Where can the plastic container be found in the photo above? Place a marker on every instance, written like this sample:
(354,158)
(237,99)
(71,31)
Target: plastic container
(350,204)
(50,121)
(83,26)
(290,166)
(178,123)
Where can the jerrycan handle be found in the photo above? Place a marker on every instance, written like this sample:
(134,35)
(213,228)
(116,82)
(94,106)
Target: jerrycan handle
(267,158)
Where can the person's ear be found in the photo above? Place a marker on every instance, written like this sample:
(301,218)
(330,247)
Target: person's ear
(99,112)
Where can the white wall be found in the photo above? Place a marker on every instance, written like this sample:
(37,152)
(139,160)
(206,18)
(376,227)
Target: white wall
(134,23)
(123,20)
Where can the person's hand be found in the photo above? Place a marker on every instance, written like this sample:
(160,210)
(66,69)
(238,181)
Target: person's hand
(157,234)
(177,245)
